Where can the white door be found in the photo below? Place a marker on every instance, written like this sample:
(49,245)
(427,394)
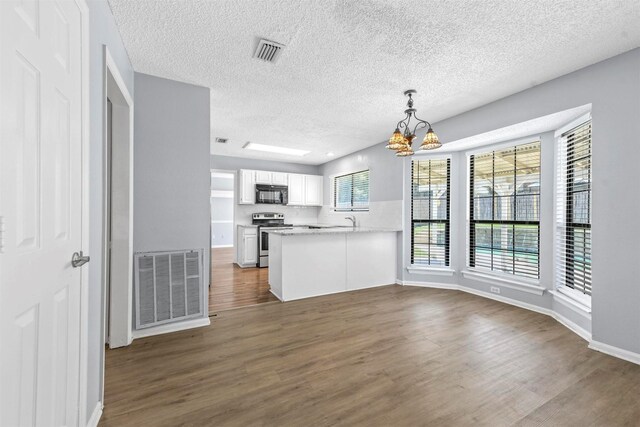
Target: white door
(40,208)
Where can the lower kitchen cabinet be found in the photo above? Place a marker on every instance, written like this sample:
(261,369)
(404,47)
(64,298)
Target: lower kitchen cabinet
(247,242)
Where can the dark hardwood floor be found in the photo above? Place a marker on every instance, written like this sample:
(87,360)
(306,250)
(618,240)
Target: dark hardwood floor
(389,356)
(235,287)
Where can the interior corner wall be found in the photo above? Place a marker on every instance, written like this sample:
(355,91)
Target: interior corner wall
(171,168)
(102,32)
(385,187)
(612,87)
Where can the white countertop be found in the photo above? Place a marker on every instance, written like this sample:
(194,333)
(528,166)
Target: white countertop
(329,229)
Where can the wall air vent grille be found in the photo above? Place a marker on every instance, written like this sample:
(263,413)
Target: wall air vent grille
(221,140)
(168,287)
(268,51)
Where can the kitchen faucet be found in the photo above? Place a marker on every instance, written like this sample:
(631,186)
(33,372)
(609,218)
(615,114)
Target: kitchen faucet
(352,218)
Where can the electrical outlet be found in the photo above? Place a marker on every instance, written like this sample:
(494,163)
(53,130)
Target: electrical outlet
(495,289)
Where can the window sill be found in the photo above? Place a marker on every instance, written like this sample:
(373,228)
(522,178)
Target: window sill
(531,287)
(436,271)
(572,300)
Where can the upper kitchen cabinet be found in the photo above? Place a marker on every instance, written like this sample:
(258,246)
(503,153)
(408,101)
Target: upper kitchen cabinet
(296,189)
(279,178)
(263,177)
(313,190)
(305,190)
(247,193)
(271,178)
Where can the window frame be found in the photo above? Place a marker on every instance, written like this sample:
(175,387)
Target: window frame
(562,226)
(446,222)
(512,277)
(334,190)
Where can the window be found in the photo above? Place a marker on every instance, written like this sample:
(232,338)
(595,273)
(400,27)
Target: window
(430,212)
(573,214)
(504,210)
(351,192)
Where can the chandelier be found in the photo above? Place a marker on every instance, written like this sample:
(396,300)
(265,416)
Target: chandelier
(401,141)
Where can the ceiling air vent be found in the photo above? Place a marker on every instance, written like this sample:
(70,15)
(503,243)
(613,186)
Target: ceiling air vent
(221,140)
(268,51)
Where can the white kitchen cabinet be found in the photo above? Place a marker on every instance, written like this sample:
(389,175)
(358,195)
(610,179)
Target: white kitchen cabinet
(263,177)
(247,193)
(296,189)
(279,178)
(305,190)
(313,190)
(271,178)
(247,246)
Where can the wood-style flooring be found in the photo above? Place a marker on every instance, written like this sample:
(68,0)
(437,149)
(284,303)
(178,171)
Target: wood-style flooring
(389,356)
(235,287)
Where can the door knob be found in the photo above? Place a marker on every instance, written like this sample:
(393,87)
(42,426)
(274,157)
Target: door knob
(78,259)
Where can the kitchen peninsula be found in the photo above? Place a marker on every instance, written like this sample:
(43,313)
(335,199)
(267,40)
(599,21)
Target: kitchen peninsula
(326,260)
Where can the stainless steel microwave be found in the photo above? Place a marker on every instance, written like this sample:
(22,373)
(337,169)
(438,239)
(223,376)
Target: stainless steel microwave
(272,194)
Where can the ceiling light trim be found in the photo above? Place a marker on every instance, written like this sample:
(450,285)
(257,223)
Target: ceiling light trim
(275,149)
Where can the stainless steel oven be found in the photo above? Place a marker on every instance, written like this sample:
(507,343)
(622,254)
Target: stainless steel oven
(267,221)
(272,194)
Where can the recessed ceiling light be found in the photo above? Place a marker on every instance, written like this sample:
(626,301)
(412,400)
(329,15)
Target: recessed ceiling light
(330,154)
(275,149)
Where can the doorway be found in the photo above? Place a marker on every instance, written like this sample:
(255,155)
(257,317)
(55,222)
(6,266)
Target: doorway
(117,268)
(231,286)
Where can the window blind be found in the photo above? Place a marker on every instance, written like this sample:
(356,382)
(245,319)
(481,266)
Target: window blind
(351,192)
(504,206)
(573,212)
(430,188)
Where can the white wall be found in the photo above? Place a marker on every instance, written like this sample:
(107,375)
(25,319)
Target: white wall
(385,187)
(102,31)
(235,163)
(222,210)
(171,167)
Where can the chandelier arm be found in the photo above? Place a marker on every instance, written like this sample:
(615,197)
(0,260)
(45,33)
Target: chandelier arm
(418,125)
(424,124)
(401,122)
(423,121)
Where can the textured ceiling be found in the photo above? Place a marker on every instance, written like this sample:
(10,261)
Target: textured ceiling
(338,84)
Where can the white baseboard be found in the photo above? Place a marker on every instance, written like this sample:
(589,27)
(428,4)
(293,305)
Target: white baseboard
(434,285)
(581,332)
(620,353)
(509,301)
(172,327)
(95,415)
(275,293)
(221,246)
(578,330)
